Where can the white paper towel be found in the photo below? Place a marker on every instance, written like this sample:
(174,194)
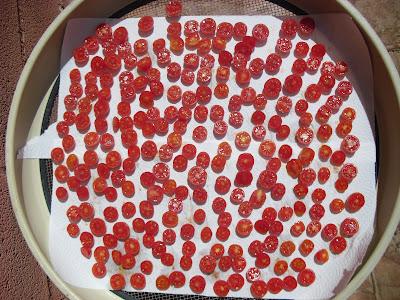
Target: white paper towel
(343,41)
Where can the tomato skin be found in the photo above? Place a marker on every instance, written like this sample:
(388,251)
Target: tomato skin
(197,284)
(117,281)
(243,178)
(267,180)
(273,63)
(272,88)
(338,245)
(163,283)
(349,227)
(177,279)
(355,202)
(259,289)
(244,227)
(280,267)
(306,277)
(262,260)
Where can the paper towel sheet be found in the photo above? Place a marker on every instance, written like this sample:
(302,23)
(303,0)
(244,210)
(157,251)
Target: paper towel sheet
(343,41)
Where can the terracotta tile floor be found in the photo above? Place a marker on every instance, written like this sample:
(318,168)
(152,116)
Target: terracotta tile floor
(21,25)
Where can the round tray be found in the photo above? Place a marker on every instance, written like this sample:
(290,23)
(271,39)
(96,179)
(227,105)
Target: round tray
(36,93)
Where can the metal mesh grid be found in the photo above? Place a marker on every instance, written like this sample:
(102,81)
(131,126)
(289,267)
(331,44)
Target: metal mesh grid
(224,7)
(157,8)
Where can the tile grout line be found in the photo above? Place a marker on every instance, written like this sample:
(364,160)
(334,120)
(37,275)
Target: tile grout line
(21,34)
(375,287)
(48,286)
